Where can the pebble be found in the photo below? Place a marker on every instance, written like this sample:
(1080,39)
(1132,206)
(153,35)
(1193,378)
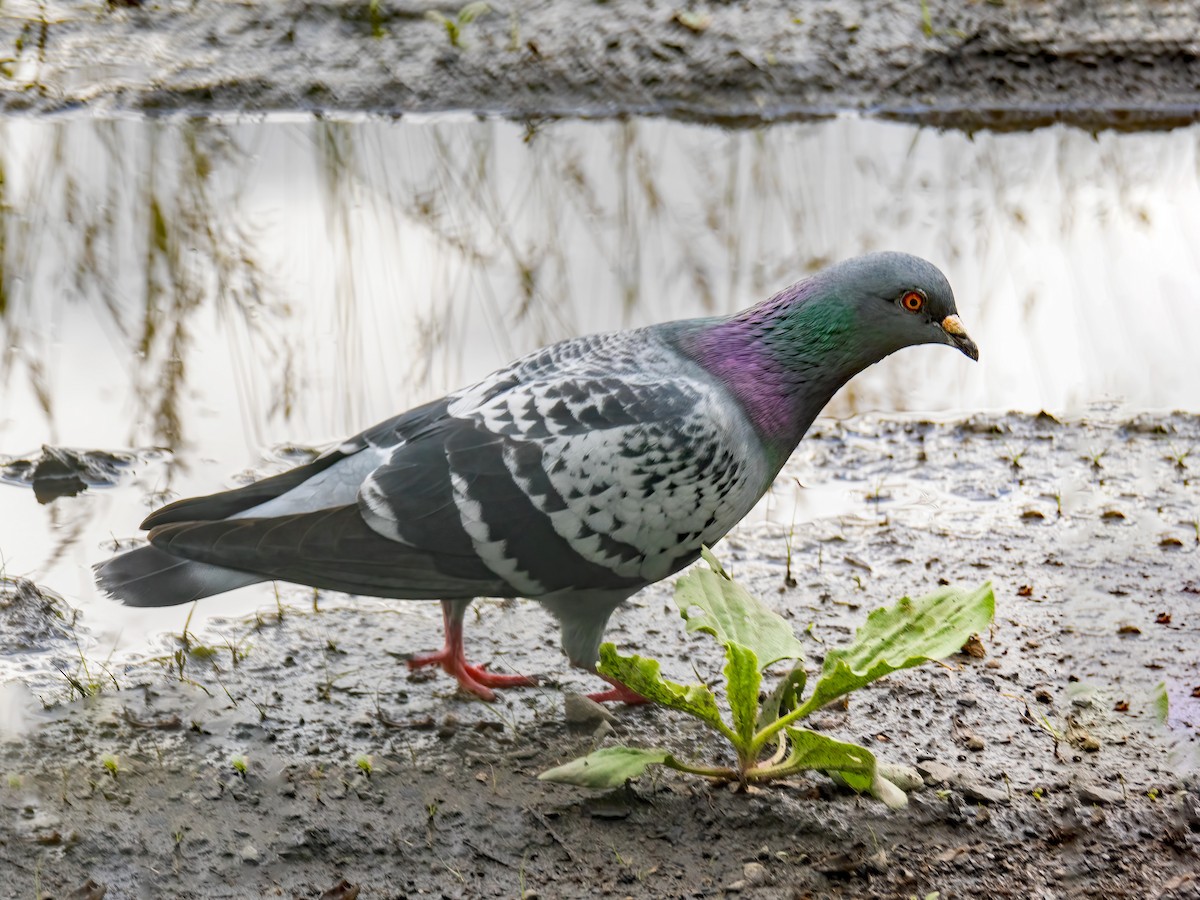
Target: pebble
(980,793)
(937,773)
(754,873)
(1101,796)
(877,862)
(249,854)
(581,710)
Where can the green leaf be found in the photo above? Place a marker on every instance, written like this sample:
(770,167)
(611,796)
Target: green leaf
(854,766)
(712,602)
(607,768)
(813,750)
(742,680)
(784,698)
(903,636)
(645,676)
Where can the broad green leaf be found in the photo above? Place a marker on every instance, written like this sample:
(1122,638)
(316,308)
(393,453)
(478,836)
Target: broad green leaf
(607,768)
(813,750)
(742,680)
(854,766)
(784,698)
(712,602)
(645,676)
(903,636)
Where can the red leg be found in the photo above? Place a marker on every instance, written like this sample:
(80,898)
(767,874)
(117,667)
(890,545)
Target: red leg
(452,658)
(618,692)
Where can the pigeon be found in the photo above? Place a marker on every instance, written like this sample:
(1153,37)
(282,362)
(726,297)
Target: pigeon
(575,476)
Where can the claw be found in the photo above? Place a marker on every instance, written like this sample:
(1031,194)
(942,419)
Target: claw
(474,679)
(618,693)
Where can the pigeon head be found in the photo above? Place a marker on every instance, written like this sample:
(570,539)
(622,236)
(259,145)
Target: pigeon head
(785,358)
(889,301)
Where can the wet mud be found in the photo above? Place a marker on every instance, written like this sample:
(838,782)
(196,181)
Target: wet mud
(290,753)
(1003,64)
(279,754)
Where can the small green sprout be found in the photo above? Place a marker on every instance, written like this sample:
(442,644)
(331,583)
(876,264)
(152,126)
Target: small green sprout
(239,763)
(111,764)
(454,27)
(14,781)
(364,763)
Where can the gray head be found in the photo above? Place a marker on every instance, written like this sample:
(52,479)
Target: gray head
(786,357)
(896,300)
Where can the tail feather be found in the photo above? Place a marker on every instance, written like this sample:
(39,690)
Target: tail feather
(148,576)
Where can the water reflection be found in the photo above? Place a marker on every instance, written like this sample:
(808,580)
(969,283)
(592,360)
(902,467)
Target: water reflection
(216,288)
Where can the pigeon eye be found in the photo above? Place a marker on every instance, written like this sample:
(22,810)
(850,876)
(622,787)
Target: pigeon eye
(913,301)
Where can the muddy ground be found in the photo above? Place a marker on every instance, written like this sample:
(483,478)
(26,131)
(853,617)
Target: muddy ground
(239,766)
(236,763)
(1000,63)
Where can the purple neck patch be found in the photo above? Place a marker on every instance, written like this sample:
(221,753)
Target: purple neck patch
(783,360)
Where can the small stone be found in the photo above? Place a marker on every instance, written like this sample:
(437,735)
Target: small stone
(1191,809)
(89,890)
(975,742)
(581,710)
(877,862)
(754,873)
(249,854)
(935,772)
(1100,796)
(967,700)
(981,793)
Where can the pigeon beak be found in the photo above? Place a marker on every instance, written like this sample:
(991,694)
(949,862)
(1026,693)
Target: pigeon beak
(959,338)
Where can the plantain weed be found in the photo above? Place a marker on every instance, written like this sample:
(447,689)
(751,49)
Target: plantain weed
(761,727)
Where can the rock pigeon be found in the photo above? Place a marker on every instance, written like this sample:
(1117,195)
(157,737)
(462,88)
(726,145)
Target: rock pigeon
(575,476)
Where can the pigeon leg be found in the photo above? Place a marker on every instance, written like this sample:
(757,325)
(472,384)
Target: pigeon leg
(617,693)
(452,658)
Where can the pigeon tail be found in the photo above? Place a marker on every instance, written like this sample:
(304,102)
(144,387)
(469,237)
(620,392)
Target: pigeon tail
(148,576)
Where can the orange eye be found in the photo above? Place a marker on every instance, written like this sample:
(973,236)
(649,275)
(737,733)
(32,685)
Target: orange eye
(913,302)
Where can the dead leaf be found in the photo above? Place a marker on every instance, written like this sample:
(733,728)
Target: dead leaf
(343,890)
(974,647)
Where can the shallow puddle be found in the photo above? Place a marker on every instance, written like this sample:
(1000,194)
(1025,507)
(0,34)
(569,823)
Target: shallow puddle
(219,297)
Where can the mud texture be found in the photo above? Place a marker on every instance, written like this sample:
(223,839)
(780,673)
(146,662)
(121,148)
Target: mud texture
(997,64)
(279,755)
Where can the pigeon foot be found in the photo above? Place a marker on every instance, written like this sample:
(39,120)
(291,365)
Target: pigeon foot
(474,679)
(618,693)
